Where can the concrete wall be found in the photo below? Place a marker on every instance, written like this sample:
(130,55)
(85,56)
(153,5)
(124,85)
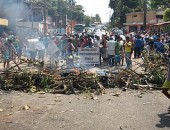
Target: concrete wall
(139,17)
(134,21)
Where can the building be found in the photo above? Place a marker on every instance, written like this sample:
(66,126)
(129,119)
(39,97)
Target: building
(134,21)
(3,25)
(3,22)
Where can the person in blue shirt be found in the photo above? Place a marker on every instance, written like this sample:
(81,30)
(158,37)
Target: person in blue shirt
(46,40)
(155,37)
(159,46)
(138,46)
(89,43)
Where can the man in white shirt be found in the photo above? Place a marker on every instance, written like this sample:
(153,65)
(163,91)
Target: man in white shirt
(111,52)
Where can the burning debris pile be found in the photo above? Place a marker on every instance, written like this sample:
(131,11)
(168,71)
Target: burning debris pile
(77,80)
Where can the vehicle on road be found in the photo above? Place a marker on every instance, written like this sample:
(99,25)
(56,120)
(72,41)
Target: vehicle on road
(79,28)
(99,32)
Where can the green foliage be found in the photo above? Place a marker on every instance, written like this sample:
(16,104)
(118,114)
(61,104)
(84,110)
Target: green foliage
(97,18)
(62,8)
(155,4)
(87,20)
(167,15)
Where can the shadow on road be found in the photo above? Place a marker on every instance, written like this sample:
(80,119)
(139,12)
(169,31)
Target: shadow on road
(164,120)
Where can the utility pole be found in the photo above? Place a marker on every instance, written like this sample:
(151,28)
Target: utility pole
(145,15)
(121,14)
(60,13)
(66,24)
(45,18)
(71,16)
(32,13)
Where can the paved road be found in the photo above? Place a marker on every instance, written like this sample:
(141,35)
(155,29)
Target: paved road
(132,110)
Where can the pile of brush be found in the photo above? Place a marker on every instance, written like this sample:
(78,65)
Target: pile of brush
(76,80)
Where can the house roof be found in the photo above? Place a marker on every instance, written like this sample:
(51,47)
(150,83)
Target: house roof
(160,24)
(158,12)
(138,12)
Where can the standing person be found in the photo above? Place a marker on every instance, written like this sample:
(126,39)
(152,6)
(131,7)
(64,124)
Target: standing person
(18,48)
(166,85)
(46,40)
(8,51)
(75,43)
(122,49)
(97,41)
(117,50)
(111,52)
(159,46)
(41,50)
(32,48)
(70,47)
(81,43)
(128,52)
(89,43)
(70,53)
(104,50)
(63,46)
(151,44)
(138,45)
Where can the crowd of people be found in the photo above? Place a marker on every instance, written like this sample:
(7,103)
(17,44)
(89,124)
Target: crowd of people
(114,49)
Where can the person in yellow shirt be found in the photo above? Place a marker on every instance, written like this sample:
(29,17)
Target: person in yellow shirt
(166,85)
(166,88)
(128,52)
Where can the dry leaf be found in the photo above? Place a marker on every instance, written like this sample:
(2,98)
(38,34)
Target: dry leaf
(1,110)
(57,100)
(33,89)
(117,94)
(41,92)
(139,96)
(91,111)
(95,98)
(26,107)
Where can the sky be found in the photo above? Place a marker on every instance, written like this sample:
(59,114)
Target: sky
(93,7)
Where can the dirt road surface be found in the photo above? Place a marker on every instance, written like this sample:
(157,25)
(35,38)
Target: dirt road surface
(132,110)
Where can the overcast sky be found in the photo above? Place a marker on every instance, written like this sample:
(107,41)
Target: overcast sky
(93,7)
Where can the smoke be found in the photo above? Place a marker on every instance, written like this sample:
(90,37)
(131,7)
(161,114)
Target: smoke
(12,10)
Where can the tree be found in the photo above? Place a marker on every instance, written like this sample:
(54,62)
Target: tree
(154,4)
(167,15)
(97,18)
(87,20)
(122,7)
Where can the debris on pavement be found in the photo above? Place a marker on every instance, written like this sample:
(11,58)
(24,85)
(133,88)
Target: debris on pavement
(26,107)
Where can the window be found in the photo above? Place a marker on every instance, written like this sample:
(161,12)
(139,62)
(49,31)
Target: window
(135,15)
